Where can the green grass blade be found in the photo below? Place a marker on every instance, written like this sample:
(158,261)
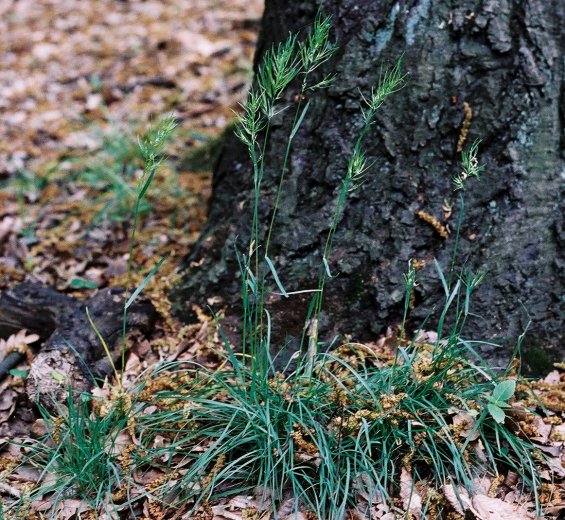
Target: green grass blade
(299,122)
(441,277)
(276,277)
(146,280)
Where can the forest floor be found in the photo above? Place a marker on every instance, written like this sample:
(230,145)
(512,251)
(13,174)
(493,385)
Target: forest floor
(81,82)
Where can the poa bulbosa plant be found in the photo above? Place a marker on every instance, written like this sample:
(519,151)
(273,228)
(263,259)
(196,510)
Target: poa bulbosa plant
(151,147)
(282,65)
(335,431)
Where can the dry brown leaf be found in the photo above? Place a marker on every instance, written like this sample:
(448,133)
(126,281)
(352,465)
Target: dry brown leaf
(543,430)
(411,500)
(553,378)
(26,473)
(238,508)
(145,477)
(487,508)
(458,499)
(556,465)
(426,336)
(71,508)
(464,424)
(484,507)
(40,506)
(8,400)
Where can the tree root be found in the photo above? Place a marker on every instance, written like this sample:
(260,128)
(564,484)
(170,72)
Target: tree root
(72,354)
(11,360)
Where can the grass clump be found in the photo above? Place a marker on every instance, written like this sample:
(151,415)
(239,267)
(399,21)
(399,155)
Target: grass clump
(337,432)
(83,453)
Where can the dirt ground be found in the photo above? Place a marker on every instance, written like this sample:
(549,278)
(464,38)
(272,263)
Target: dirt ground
(80,82)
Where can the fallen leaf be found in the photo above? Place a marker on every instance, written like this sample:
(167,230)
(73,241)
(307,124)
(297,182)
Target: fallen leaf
(411,500)
(487,508)
(553,378)
(483,506)
(465,423)
(458,499)
(543,431)
(7,404)
(72,508)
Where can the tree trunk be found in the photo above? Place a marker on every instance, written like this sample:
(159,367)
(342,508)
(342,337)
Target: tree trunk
(491,70)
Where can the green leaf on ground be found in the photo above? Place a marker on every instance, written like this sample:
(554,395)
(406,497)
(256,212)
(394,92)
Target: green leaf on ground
(19,373)
(497,413)
(504,390)
(81,283)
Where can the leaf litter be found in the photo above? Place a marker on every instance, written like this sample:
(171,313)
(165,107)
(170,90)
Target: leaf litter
(81,80)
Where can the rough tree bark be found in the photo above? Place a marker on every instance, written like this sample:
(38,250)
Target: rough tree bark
(498,61)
